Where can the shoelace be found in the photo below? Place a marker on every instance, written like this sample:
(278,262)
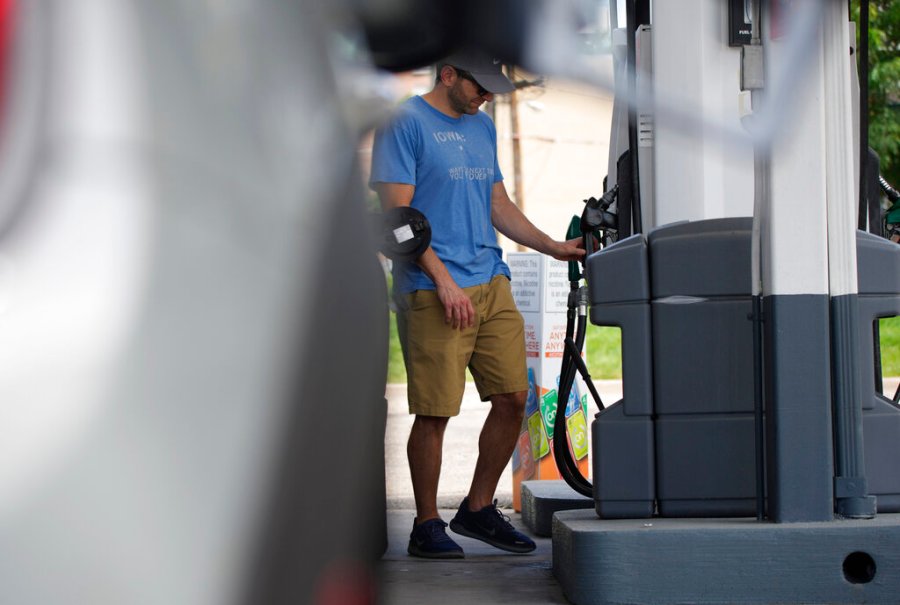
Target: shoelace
(501,519)
(436,532)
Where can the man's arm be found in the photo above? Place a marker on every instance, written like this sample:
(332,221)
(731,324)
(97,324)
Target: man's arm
(458,309)
(510,221)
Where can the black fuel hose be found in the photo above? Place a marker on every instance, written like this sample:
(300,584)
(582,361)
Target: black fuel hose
(566,464)
(596,217)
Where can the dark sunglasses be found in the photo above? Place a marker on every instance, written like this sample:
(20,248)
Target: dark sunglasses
(467,76)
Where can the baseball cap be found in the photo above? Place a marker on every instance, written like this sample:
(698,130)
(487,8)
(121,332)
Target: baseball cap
(483,67)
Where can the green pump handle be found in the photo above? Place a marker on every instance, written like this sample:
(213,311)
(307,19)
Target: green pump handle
(573,232)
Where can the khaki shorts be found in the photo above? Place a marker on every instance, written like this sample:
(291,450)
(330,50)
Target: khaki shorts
(436,355)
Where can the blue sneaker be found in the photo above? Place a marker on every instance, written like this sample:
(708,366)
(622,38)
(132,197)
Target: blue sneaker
(429,540)
(491,526)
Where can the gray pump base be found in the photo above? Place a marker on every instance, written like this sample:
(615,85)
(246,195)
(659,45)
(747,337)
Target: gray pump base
(540,499)
(664,561)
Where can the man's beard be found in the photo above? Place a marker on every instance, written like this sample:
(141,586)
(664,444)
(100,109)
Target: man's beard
(458,101)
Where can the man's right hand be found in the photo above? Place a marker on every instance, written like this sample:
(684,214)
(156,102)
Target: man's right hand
(459,312)
(458,309)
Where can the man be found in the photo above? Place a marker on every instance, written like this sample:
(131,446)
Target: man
(439,155)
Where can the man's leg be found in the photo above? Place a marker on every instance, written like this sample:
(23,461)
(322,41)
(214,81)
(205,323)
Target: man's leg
(498,366)
(495,446)
(424,450)
(477,516)
(428,538)
(436,381)
(435,357)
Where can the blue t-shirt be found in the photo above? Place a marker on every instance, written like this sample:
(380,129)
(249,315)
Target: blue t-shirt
(452,162)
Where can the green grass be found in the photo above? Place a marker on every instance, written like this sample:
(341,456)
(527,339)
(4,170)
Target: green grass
(604,351)
(603,345)
(396,369)
(890,346)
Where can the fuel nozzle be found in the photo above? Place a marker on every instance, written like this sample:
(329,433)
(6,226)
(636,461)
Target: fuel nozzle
(892,194)
(599,220)
(597,215)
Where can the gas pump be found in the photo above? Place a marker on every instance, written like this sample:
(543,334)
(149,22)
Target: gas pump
(718,421)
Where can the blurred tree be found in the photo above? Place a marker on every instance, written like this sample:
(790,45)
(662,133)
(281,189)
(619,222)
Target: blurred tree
(884,83)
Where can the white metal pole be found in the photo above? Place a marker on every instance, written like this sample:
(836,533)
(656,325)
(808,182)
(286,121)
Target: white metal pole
(794,275)
(850,482)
